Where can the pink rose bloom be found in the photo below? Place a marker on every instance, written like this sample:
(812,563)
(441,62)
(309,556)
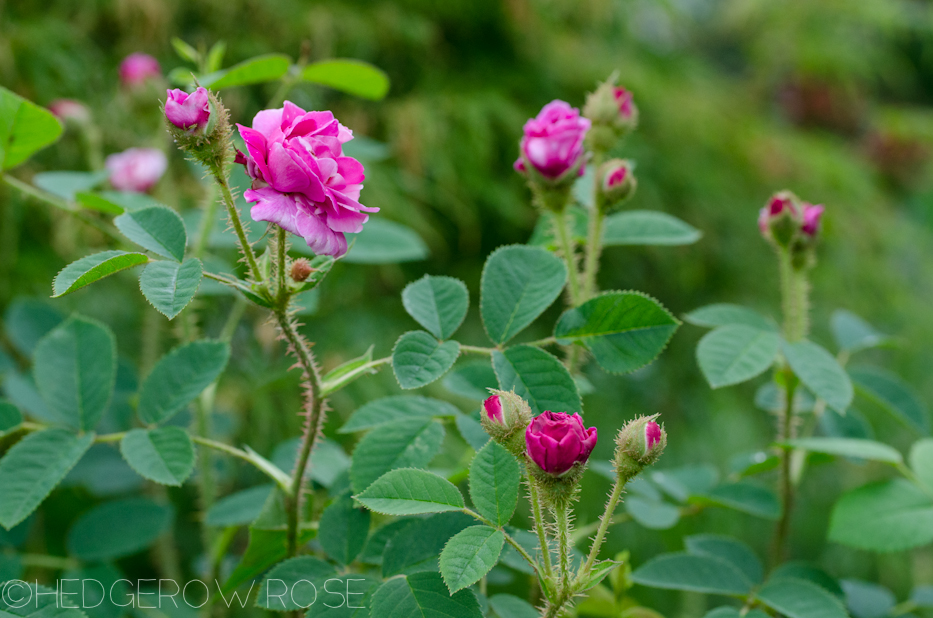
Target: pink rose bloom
(188,111)
(137,68)
(624,100)
(811,219)
(136,169)
(302,181)
(493,408)
(553,140)
(69,109)
(557,440)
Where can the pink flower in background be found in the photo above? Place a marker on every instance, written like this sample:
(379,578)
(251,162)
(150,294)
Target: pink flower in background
(137,68)
(557,440)
(302,181)
(188,111)
(553,140)
(811,218)
(136,169)
(624,100)
(493,408)
(69,109)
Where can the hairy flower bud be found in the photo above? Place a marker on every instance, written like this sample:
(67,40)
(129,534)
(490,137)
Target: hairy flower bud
(780,220)
(558,441)
(199,123)
(617,183)
(301,270)
(190,112)
(613,113)
(638,445)
(505,416)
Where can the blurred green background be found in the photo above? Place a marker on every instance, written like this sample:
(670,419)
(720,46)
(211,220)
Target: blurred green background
(738,98)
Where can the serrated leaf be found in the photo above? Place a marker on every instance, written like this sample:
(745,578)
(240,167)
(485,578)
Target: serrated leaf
(164,455)
(397,408)
(170,286)
(357,591)
(820,372)
(681,571)
(737,553)
(93,268)
(346,373)
(726,314)
(624,330)
(157,228)
(117,529)
(853,334)
(402,444)
(745,497)
(733,354)
(537,377)
(893,395)
(266,547)
(807,571)
(800,599)
(32,468)
(416,547)
(423,595)
(849,447)
(647,227)
(411,492)
(294,584)
(346,526)
(518,283)
(75,370)
(469,555)
(238,509)
(257,70)
(25,128)
(117,201)
(385,242)
(652,514)
(348,75)
(471,380)
(419,359)
(439,304)
(27,320)
(495,477)
(382,536)
(885,516)
(598,573)
(921,461)
(179,377)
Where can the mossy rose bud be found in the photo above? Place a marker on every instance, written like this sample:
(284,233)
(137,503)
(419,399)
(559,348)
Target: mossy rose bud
(617,183)
(557,442)
(505,416)
(638,445)
(612,110)
(301,269)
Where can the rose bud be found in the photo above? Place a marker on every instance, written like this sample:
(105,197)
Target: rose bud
(138,68)
(639,444)
(136,169)
(505,416)
(69,109)
(613,112)
(552,144)
(781,218)
(618,183)
(811,219)
(191,112)
(301,270)
(558,442)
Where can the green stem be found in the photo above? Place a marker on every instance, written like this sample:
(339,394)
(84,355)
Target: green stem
(795,300)
(42,561)
(786,485)
(563,545)
(473,349)
(540,343)
(281,242)
(604,523)
(568,252)
(535,500)
(594,247)
(234,214)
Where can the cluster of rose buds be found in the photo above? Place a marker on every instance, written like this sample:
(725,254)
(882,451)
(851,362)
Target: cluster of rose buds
(789,223)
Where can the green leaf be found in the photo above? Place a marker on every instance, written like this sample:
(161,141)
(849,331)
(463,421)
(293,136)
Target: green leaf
(419,359)
(439,304)
(170,286)
(885,516)
(157,228)
(396,408)
(737,353)
(257,70)
(117,202)
(75,369)
(652,514)
(518,283)
(346,527)
(745,497)
(266,547)
(116,529)
(238,509)
(423,595)
(647,227)
(27,320)
(733,551)
(67,184)
(385,242)
(92,268)
(356,591)
(682,571)
(382,536)
(853,334)
(179,377)
(164,455)
(800,599)
(348,372)
(471,380)
(868,599)
(508,606)
(494,480)
(820,373)
(849,447)
(294,584)
(185,51)
(411,492)
(687,481)
(624,330)
(416,547)
(471,431)
(725,314)
(538,377)
(807,571)
(32,468)
(470,555)
(403,444)
(25,128)
(10,417)
(893,395)
(351,76)
(921,461)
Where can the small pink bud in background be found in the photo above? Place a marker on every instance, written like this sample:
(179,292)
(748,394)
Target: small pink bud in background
(612,110)
(557,441)
(811,219)
(639,444)
(617,177)
(191,112)
(618,183)
(69,109)
(493,408)
(652,434)
(137,68)
(136,169)
(781,218)
(553,141)
(624,101)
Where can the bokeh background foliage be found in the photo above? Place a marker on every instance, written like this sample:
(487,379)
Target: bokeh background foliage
(737,97)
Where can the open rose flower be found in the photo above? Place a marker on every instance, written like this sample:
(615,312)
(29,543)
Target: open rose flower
(138,68)
(136,169)
(557,440)
(302,181)
(553,140)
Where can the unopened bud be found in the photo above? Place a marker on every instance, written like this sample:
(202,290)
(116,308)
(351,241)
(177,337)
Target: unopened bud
(199,123)
(613,113)
(639,444)
(780,220)
(301,270)
(617,184)
(190,112)
(505,416)
(493,408)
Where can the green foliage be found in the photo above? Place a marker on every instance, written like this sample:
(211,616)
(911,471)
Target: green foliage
(884,516)
(736,353)
(422,594)
(853,334)
(265,68)
(538,377)
(25,128)
(238,509)
(396,408)
(800,599)
(351,76)
(385,242)
(67,185)
(170,286)
(92,268)
(733,551)
(695,573)
(117,529)
(293,584)
(419,359)
(439,304)
(179,377)
(417,545)
(850,447)
(893,395)
(726,314)
(164,455)
(469,555)
(157,228)
(495,477)
(820,373)
(402,444)
(346,527)
(408,491)
(647,227)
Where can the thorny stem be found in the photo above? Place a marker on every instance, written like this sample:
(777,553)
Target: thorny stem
(563,545)
(234,214)
(604,523)
(795,300)
(282,250)
(539,526)
(570,259)
(594,246)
